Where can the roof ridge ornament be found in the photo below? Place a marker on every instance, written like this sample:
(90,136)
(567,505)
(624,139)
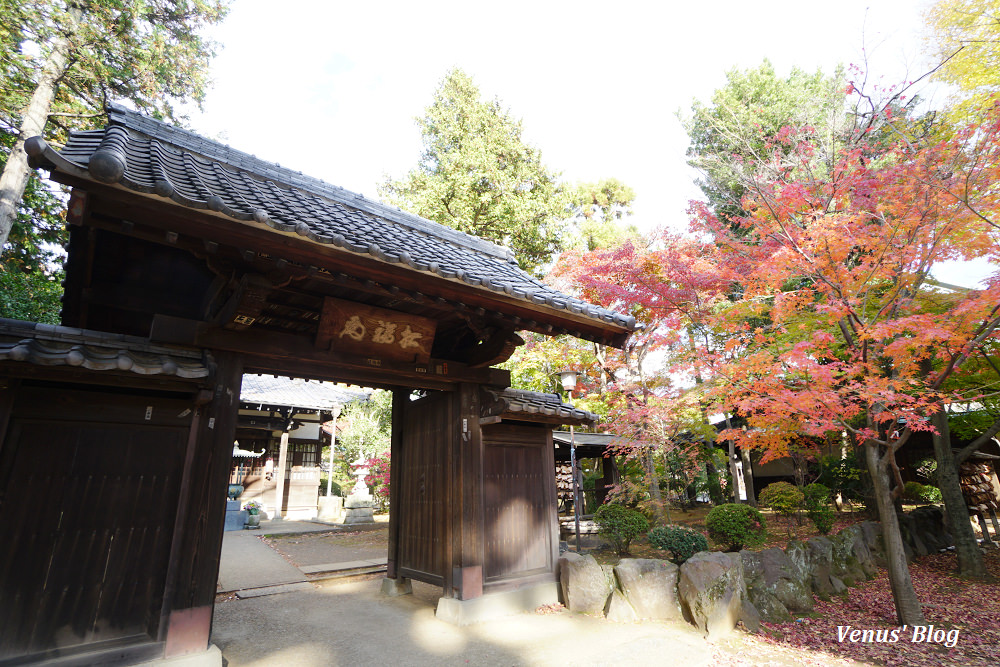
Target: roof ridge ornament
(107,164)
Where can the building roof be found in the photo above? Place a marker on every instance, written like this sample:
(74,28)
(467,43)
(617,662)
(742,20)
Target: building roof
(157,160)
(52,345)
(535,406)
(297,393)
(588,445)
(597,439)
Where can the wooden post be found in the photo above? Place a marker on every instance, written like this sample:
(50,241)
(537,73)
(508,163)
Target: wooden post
(196,572)
(396,472)
(279,499)
(468,554)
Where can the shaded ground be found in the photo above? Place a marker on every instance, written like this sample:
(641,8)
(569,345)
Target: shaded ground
(351,623)
(330,634)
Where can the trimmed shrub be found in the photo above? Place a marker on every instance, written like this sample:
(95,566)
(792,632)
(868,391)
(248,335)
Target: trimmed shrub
(782,497)
(921,493)
(620,525)
(817,504)
(815,494)
(911,490)
(735,526)
(930,494)
(680,541)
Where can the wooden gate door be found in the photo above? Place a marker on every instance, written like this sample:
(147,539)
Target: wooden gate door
(519,506)
(90,479)
(425,478)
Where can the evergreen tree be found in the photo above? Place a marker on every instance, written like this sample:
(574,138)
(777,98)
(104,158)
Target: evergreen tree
(478,175)
(61,61)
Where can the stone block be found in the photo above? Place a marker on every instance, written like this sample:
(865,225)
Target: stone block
(619,610)
(711,589)
(496,605)
(396,587)
(650,586)
(585,585)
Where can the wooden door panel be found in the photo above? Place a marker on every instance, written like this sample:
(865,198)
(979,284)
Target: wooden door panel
(89,509)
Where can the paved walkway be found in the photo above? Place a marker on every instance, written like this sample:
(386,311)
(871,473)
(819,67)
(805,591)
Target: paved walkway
(318,622)
(250,568)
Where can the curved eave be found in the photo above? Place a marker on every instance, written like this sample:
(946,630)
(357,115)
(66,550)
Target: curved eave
(48,345)
(561,310)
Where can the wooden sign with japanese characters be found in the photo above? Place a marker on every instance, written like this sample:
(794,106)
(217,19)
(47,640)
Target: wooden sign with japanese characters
(345,326)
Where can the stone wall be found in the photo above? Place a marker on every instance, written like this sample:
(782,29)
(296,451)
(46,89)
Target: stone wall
(714,590)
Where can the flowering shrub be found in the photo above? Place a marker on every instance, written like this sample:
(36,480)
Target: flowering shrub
(735,526)
(378,479)
(253,507)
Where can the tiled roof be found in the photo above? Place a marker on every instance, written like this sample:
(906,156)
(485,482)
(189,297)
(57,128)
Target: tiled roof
(296,392)
(530,404)
(597,439)
(50,345)
(150,157)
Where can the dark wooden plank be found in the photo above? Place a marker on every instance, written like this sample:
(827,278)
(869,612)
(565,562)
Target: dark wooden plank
(425,532)
(198,568)
(468,493)
(520,531)
(397,471)
(79,476)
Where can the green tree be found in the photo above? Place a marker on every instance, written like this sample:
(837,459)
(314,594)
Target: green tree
(61,61)
(30,272)
(477,174)
(599,213)
(365,427)
(743,129)
(965,37)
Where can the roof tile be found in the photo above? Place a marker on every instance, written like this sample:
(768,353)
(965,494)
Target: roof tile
(194,172)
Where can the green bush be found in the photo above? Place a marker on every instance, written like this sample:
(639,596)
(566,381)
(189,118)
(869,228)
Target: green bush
(681,542)
(782,497)
(930,494)
(735,526)
(620,525)
(815,494)
(817,504)
(921,493)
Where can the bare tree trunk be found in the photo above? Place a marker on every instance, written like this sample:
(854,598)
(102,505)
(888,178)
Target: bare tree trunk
(908,611)
(654,487)
(748,477)
(970,558)
(14,178)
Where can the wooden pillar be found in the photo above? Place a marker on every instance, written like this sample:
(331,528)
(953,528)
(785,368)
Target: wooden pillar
(194,558)
(279,491)
(396,472)
(467,511)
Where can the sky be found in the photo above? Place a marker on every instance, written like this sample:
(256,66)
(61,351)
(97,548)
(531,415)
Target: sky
(333,89)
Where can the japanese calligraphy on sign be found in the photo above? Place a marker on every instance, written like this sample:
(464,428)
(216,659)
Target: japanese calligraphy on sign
(385,334)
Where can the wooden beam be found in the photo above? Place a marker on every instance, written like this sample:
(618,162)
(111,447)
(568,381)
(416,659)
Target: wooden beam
(207,226)
(287,350)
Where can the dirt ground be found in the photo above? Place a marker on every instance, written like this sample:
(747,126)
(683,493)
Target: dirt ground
(348,622)
(332,547)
